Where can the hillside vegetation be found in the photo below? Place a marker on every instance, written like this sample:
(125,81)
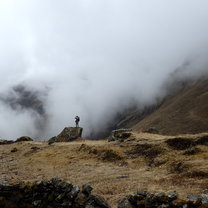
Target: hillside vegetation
(143,161)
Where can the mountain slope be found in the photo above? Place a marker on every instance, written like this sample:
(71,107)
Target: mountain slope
(151,162)
(184,112)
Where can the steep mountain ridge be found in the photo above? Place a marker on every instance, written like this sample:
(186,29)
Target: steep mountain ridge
(185,111)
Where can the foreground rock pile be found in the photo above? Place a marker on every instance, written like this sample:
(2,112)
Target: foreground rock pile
(144,199)
(54,193)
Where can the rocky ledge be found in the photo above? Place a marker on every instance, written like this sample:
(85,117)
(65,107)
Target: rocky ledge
(55,193)
(67,135)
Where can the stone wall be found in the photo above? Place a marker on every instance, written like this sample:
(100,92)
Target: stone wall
(70,134)
(57,193)
(143,199)
(54,193)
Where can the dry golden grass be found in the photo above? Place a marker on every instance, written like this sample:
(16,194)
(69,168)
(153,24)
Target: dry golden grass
(144,161)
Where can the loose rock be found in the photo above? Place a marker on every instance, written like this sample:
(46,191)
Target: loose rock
(120,134)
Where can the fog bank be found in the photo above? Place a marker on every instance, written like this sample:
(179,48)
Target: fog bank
(93,58)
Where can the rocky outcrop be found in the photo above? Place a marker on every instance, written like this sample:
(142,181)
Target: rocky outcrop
(146,200)
(67,135)
(21,139)
(24,139)
(48,194)
(119,134)
(3,141)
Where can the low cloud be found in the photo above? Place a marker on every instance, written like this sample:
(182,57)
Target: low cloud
(93,59)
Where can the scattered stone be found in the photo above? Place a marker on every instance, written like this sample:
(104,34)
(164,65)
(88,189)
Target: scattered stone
(3,182)
(74,192)
(192,197)
(125,203)
(205,191)
(86,188)
(123,164)
(204,198)
(172,196)
(81,199)
(14,149)
(37,203)
(97,201)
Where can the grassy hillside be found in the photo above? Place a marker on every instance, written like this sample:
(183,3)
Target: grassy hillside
(144,161)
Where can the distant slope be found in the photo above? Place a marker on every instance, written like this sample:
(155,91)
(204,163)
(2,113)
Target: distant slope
(184,112)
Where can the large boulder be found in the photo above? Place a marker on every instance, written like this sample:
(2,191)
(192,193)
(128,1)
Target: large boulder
(70,134)
(67,135)
(120,134)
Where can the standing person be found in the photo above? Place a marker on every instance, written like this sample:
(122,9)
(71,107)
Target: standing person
(77,119)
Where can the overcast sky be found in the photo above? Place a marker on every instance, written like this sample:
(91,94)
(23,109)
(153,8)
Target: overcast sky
(93,57)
